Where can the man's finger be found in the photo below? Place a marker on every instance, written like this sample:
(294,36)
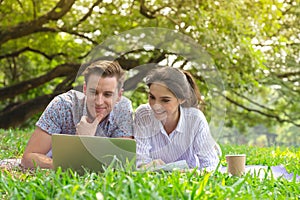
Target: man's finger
(83,118)
(98,119)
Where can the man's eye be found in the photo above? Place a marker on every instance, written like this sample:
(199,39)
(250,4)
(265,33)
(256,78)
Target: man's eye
(151,97)
(108,94)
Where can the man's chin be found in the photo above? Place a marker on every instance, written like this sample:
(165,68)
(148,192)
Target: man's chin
(102,114)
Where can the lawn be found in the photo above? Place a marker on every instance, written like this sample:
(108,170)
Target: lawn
(128,184)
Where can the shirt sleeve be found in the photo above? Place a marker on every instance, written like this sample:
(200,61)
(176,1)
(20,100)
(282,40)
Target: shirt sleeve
(205,146)
(54,116)
(141,128)
(123,114)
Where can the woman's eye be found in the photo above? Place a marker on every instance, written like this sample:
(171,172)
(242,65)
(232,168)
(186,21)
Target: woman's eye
(165,100)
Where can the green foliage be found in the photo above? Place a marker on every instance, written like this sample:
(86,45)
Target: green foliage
(141,185)
(129,184)
(253,44)
(139,94)
(13,142)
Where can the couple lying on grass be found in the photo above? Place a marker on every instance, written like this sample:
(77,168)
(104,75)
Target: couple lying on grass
(171,127)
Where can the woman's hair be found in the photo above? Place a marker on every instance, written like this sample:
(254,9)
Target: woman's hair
(105,68)
(181,83)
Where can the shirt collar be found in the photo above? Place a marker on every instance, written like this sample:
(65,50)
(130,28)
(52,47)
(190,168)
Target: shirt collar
(84,112)
(108,119)
(181,121)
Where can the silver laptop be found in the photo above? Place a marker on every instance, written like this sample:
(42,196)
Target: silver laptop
(92,153)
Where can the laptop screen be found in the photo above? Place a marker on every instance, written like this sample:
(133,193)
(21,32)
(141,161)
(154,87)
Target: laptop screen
(81,153)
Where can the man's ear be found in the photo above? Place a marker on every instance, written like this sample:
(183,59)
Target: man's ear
(120,94)
(84,88)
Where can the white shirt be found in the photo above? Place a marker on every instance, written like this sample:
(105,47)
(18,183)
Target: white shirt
(190,141)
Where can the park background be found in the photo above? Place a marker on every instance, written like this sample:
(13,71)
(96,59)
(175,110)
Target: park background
(253,44)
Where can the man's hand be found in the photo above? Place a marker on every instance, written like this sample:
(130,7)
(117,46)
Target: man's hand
(87,126)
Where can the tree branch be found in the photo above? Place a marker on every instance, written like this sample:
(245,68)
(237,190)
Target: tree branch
(131,83)
(259,105)
(146,12)
(79,35)
(288,74)
(20,112)
(89,13)
(61,70)
(17,53)
(26,28)
(259,112)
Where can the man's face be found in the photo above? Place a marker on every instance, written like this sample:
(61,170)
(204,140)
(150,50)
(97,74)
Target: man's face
(101,95)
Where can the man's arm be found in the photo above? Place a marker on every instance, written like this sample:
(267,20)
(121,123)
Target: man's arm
(35,152)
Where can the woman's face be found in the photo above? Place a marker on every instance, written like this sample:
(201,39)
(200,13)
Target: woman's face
(163,102)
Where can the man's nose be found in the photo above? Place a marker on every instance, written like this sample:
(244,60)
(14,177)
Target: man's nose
(99,99)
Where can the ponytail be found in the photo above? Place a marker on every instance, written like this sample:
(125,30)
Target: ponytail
(196,100)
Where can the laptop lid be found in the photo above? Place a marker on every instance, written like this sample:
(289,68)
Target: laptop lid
(82,153)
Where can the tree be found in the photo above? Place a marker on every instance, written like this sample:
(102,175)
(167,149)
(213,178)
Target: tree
(254,45)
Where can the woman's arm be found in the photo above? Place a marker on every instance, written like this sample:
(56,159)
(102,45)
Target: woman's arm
(141,128)
(205,147)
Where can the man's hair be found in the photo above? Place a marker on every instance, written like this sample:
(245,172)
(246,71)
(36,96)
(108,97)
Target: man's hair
(105,68)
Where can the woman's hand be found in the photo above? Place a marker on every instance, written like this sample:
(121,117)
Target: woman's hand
(153,163)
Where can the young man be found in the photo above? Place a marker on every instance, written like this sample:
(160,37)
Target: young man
(100,110)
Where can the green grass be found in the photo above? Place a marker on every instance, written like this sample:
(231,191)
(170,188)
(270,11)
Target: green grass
(128,184)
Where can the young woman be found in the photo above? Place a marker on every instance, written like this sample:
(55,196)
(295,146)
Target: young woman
(171,127)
